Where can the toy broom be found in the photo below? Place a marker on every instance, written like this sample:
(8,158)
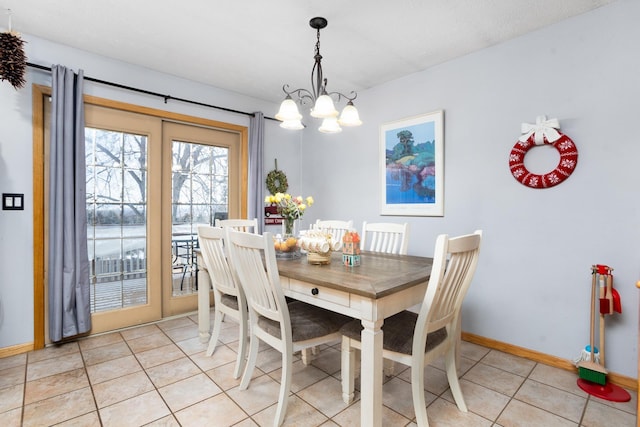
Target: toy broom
(593,375)
(589,370)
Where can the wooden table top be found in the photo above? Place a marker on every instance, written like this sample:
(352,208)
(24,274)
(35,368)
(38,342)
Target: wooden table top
(377,276)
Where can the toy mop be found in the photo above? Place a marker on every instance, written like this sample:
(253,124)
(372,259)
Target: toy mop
(591,366)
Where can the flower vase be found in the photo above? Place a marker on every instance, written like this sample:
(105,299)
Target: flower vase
(286,244)
(289,227)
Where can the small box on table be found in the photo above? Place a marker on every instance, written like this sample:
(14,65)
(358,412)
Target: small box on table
(351,260)
(351,249)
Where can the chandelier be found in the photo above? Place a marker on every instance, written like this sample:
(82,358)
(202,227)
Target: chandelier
(323,107)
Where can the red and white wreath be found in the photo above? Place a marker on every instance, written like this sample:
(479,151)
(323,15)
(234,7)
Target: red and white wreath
(543,132)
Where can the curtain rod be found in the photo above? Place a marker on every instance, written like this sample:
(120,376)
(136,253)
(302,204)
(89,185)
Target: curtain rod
(147,92)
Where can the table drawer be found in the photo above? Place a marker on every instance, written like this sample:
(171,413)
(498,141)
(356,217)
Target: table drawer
(320,292)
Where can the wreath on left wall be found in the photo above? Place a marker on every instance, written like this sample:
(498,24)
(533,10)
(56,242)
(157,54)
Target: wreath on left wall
(277,181)
(13,60)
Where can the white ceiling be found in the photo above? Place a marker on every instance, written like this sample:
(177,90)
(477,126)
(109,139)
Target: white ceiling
(255,46)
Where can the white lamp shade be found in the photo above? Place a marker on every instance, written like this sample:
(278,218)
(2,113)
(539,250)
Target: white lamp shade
(324,108)
(330,125)
(292,124)
(350,116)
(288,111)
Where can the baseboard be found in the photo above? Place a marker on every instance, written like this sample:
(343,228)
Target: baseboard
(557,362)
(15,349)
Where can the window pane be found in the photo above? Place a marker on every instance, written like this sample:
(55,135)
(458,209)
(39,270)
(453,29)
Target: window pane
(135,151)
(134,185)
(116,222)
(107,186)
(201,159)
(199,196)
(108,148)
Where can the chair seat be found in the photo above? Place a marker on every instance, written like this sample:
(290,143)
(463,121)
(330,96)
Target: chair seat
(307,322)
(398,333)
(230,301)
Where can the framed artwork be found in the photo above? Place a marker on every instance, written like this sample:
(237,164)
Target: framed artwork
(411,166)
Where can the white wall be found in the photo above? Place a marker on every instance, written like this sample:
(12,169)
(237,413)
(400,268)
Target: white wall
(533,281)
(532,286)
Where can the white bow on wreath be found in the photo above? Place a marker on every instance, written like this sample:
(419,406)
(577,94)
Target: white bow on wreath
(542,129)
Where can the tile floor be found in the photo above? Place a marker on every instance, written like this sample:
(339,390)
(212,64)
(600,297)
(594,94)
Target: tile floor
(158,375)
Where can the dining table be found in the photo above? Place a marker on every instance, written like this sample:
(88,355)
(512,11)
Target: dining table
(381,286)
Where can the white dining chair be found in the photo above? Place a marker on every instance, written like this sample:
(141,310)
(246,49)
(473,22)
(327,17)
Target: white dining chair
(287,328)
(336,228)
(246,225)
(417,339)
(385,237)
(389,238)
(229,300)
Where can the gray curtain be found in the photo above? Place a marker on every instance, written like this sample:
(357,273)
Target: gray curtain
(255,208)
(68,270)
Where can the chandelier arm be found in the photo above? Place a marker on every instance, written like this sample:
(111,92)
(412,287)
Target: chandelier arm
(300,93)
(342,95)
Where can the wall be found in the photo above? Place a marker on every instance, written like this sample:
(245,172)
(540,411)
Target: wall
(532,286)
(16,227)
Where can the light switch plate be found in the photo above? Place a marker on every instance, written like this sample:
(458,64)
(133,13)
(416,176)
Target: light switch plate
(12,202)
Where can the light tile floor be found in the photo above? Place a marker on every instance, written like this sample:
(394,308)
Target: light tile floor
(158,375)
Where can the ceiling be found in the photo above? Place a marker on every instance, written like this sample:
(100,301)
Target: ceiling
(254,47)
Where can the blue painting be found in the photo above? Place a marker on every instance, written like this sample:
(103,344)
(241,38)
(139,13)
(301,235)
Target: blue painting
(413,166)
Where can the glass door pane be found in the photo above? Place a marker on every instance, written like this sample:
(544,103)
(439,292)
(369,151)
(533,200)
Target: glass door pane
(116,218)
(199,188)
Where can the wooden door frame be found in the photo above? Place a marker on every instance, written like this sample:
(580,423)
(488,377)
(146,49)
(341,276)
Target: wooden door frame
(39,92)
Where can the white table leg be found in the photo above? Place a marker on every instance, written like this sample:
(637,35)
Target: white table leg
(204,321)
(371,374)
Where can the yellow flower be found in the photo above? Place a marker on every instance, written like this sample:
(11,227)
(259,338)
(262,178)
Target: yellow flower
(289,207)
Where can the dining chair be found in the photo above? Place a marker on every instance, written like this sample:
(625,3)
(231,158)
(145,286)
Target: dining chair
(336,228)
(417,339)
(246,225)
(229,300)
(287,328)
(385,237)
(390,238)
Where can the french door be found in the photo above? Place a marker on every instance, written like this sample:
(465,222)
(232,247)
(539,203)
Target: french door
(152,178)
(199,187)
(123,157)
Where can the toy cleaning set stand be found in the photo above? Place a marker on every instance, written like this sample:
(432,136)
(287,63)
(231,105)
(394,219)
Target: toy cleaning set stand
(591,365)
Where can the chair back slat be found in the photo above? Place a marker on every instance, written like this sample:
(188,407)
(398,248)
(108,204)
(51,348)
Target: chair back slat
(385,237)
(245,225)
(454,264)
(210,240)
(336,228)
(253,258)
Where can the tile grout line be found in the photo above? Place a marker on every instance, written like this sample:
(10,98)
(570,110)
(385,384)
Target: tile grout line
(86,372)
